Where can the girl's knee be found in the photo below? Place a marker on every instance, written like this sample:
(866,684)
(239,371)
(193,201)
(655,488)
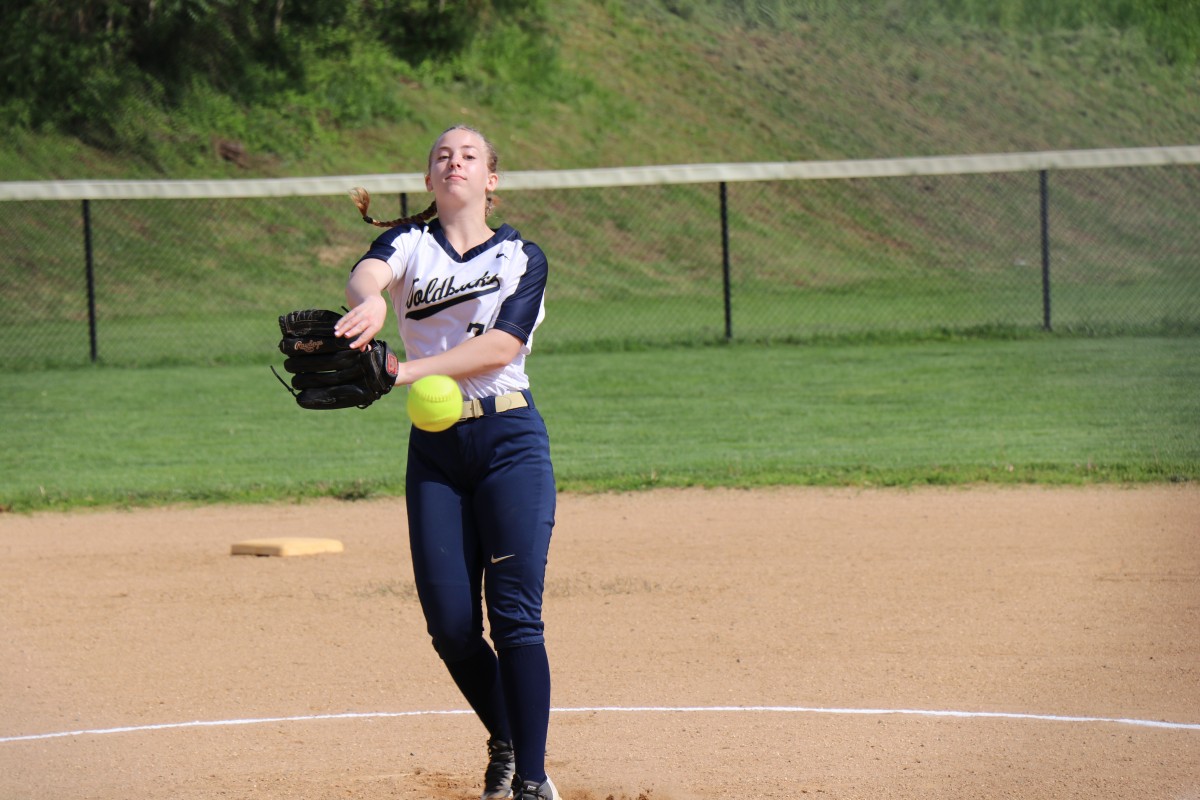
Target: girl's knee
(507,634)
(451,650)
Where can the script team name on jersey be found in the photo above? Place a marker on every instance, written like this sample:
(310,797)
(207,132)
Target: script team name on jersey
(442,293)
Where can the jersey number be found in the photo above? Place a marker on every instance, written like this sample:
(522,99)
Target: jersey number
(475,329)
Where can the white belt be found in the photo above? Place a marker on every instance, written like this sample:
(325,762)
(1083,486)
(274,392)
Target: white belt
(504,402)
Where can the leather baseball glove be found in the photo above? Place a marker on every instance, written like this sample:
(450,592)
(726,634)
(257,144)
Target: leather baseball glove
(326,372)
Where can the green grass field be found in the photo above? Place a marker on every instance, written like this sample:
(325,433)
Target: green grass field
(1043,409)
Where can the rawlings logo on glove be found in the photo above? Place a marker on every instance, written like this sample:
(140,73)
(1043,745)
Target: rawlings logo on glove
(309,347)
(326,371)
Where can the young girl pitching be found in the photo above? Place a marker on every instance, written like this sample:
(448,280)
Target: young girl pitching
(480,495)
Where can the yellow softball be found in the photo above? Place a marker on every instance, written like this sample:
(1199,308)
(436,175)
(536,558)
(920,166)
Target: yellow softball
(434,403)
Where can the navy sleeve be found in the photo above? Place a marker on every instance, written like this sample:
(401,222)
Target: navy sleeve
(519,313)
(384,246)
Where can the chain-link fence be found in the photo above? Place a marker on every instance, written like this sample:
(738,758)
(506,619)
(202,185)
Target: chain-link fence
(202,280)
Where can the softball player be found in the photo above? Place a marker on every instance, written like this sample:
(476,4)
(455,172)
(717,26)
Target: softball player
(480,495)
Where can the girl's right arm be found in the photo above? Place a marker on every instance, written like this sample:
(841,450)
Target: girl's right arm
(368,308)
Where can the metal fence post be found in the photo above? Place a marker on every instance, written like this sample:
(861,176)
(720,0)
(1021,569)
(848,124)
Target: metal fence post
(1043,182)
(725,262)
(89,269)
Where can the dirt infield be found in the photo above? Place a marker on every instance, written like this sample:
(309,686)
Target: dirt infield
(947,643)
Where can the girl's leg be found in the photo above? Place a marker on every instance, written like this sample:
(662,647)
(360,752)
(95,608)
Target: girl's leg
(514,509)
(448,571)
(525,672)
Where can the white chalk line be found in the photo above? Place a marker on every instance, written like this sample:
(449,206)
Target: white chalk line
(1141,723)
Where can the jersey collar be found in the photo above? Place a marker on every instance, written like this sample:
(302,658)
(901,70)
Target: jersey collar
(502,234)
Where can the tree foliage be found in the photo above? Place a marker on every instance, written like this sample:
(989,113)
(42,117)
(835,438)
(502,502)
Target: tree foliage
(77,67)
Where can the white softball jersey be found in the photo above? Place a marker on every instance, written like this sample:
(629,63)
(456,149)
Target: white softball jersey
(441,299)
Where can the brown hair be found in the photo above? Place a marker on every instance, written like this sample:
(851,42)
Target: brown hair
(363,200)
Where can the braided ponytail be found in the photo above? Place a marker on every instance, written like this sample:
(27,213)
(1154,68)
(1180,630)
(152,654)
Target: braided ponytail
(362,199)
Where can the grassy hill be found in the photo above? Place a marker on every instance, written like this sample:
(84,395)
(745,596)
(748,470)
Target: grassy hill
(628,83)
(632,83)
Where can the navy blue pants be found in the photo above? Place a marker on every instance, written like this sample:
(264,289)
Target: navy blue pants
(481,500)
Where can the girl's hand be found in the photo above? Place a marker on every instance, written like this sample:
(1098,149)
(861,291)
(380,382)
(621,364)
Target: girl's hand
(363,321)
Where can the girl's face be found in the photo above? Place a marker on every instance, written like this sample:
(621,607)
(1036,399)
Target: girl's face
(459,170)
